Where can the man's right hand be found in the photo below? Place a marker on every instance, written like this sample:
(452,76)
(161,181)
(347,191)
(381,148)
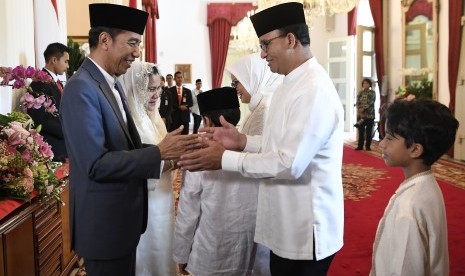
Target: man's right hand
(227,135)
(174,144)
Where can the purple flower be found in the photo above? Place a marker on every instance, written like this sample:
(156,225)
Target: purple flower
(19,83)
(38,102)
(18,72)
(30,72)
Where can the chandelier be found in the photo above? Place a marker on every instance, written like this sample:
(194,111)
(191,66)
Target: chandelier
(243,35)
(315,8)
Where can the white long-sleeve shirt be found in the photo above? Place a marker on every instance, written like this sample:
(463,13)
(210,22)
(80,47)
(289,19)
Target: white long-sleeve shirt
(215,224)
(300,195)
(412,234)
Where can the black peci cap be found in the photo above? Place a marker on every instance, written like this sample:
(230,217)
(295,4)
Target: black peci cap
(117,16)
(277,17)
(218,99)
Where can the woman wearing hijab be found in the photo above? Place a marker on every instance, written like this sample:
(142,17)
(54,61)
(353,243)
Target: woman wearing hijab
(154,252)
(255,84)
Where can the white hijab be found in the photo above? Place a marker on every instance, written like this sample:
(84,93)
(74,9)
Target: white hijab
(254,74)
(149,124)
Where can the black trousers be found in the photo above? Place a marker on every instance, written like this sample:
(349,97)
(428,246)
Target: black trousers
(197,120)
(365,135)
(125,266)
(285,267)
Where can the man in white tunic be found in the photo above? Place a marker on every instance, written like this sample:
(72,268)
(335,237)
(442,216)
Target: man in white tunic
(300,213)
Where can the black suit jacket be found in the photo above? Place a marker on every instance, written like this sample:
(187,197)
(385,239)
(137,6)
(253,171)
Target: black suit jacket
(51,125)
(178,116)
(109,168)
(166,106)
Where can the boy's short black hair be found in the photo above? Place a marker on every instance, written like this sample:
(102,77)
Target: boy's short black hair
(232,116)
(55,50)
(425,122)
(198,80)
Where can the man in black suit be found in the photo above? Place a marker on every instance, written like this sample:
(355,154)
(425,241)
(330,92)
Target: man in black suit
(181,99)
(56,57)
(165,104)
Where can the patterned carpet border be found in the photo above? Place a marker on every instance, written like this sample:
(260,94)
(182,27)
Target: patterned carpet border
(449,171)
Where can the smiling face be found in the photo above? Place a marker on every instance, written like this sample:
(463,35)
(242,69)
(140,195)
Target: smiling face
(153,92)
(122,50)
(274,46)
(241,92)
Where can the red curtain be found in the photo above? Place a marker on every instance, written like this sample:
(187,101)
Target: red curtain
(376,7)
(221,16)
(151,6)
(352,21)
(54,4)
(219,41)
(455,14)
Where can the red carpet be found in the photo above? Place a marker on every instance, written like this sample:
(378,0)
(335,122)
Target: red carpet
(368,185)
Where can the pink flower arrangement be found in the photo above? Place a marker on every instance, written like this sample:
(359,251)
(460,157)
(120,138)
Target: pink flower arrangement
(25,161)
(20,76)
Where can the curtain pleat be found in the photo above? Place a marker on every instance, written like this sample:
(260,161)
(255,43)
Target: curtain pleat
(455,38)
(376,7)
(352,21)
(219,31)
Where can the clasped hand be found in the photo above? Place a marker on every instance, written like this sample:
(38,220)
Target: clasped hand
(174,144)
(214,141)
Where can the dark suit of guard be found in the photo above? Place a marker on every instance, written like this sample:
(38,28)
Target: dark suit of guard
(108,168)
(51,125)
(166,107)
(178,116)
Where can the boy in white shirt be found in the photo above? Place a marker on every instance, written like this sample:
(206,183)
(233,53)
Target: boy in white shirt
(215,224)
(412,234)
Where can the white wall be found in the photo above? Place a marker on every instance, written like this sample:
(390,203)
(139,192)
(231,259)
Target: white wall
(17,43)
(17,32)
(182,38)
(319,36)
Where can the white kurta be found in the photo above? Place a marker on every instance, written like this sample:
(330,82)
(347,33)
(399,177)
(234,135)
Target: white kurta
(412,234)
(300,163)
(215,224)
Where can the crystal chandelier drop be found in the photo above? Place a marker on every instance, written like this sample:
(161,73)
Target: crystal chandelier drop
(315,8)
(243,36)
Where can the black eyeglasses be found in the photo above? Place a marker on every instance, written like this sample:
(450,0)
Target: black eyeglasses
(264,44)
(234,83)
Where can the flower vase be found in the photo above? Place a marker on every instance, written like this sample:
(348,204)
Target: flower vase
(6,99)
